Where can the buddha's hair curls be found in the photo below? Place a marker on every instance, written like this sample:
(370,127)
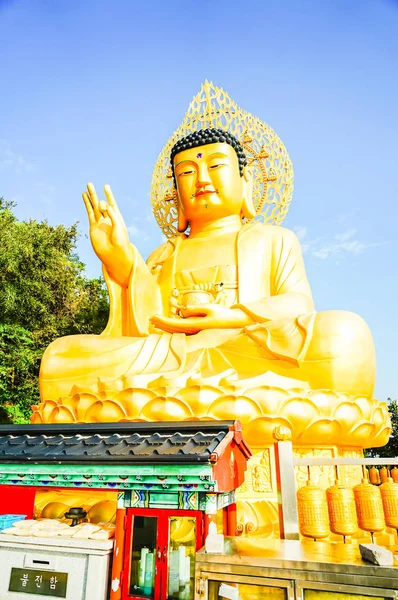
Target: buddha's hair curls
(202,137)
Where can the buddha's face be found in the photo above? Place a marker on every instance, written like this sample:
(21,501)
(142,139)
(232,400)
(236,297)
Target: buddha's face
(209,184)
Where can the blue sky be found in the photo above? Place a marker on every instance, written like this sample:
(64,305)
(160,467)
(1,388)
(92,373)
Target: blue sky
(91,90)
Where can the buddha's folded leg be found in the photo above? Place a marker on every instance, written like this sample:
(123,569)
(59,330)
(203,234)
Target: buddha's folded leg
(341,354)
(83,360)
(338,354)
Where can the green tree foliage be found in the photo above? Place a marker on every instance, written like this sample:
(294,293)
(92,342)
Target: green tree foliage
(390,450)
(44,294)
(19,364)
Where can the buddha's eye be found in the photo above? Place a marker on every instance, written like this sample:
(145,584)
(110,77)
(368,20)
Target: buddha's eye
(217,165)
(187,172)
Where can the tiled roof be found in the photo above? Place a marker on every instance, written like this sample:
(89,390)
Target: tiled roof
(124,443)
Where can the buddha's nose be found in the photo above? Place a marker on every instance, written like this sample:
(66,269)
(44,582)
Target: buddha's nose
(203,177)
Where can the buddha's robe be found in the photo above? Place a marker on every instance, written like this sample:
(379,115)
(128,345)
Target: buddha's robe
(330,350)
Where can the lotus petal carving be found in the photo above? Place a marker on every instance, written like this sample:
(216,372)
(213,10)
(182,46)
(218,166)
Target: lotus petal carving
(198,397)
(62,414)
(326,430)
(315,418)
(300,412)
(361,431)
(347,412)
(158,408)
(103,411)
(83,403)
(134,400)
(224,406)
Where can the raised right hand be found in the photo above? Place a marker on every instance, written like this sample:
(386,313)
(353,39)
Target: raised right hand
(108,234)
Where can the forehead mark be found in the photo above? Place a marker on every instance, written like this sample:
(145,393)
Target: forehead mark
(200,155)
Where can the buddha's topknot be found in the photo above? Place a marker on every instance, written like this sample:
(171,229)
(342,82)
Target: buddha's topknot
(202,137)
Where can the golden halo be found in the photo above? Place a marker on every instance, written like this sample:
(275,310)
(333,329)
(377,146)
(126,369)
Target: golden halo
(272,168)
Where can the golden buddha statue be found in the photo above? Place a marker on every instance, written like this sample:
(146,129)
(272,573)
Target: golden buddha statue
(265,323)
(219,322)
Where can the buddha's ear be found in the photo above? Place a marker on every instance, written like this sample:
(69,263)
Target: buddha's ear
(182,222)
(248,209)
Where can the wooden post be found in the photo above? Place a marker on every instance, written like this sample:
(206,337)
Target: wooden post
(286,486)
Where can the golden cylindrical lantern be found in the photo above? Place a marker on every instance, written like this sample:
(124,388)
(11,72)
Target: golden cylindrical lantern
(383,474)
(389,497)
(374,476)
(341,508)
(369,507)
(312,511)
(394,474)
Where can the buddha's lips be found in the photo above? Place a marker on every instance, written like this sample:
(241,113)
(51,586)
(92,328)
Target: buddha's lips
(203,192)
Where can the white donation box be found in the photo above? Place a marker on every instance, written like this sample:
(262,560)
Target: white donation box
(35,568)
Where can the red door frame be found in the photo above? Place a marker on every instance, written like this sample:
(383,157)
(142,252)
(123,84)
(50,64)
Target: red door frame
(129,523)
(162,545)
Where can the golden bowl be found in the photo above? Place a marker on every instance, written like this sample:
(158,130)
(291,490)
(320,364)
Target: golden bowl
(194,297)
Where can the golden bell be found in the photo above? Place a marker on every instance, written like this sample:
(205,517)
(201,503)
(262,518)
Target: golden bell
(369,507)
(374,476)
(312,512)
(341,507)
(383,474)
(394,474)
(389,497)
